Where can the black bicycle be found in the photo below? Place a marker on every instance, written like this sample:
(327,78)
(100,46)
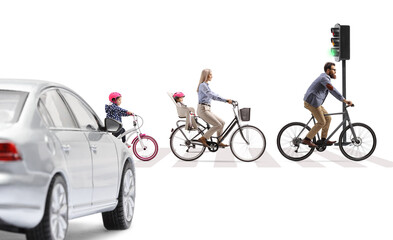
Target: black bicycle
(357,141)
(247,142)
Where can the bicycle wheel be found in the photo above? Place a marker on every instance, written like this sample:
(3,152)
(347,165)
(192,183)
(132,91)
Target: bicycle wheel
(362,146)
(149,151)
(183,143)
(289,141)
(252,150)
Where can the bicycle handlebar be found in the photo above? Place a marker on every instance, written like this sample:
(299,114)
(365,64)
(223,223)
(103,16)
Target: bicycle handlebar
(235,103)
(136,122)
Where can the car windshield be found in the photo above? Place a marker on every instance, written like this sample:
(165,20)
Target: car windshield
(11,105)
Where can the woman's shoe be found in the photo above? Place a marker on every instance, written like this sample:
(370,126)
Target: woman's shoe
(203,141)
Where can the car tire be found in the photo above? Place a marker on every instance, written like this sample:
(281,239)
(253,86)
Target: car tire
(120,218)
(54,223)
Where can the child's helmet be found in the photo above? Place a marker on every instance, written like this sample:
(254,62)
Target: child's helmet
(114,95)
(177,95)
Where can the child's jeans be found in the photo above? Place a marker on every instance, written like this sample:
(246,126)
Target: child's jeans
(121,131)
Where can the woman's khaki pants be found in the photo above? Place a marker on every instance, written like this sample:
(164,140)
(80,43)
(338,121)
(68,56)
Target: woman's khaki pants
(217,124)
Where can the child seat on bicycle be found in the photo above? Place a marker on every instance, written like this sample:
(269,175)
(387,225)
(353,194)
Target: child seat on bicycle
(183,111)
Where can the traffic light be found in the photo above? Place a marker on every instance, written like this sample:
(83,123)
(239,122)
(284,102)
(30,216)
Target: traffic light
(340,40)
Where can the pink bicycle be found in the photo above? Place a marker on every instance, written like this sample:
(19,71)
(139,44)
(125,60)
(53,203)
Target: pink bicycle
(143,146)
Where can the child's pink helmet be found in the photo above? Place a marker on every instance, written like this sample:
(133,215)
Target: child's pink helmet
(114,95)
(177,95)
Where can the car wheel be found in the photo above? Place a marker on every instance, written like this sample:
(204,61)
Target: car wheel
(120,218)
(54,223)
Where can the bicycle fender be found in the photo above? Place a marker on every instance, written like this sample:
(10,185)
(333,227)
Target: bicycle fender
(141,135)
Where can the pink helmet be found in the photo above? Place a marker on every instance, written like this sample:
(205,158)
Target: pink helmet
(177,95)
(114,95)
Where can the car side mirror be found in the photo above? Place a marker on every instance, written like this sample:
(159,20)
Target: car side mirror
(111,125)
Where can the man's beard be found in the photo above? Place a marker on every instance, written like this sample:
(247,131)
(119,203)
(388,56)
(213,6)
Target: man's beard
(332,75)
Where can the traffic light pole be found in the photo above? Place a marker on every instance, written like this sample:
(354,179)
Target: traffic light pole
(344,70)
(341,52)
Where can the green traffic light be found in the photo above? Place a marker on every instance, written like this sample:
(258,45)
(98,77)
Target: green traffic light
(334,52)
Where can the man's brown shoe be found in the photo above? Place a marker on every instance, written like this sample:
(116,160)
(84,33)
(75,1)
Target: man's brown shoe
(330,143)
(222,145)
(308,142)
(203,141)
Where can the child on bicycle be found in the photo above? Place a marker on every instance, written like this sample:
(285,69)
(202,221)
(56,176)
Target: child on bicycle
(185,111)
(115,112)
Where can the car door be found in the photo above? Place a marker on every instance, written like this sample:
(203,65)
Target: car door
(74,146)
(103,150)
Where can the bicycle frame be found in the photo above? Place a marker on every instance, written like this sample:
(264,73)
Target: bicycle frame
(345,119)
(225,133)
(132,131)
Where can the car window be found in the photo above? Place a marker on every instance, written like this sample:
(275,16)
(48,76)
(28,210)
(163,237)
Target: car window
(45,115)
(11,105)
(85,118)
(57,110)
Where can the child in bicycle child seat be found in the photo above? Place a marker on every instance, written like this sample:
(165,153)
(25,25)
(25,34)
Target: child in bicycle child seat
(184,111)
(115,112)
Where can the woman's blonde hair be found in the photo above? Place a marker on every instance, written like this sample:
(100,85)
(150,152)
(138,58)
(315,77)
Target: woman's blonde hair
(204,75)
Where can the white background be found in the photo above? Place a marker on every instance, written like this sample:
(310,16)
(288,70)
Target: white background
(264,54)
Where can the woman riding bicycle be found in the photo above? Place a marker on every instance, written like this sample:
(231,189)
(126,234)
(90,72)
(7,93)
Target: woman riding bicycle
(205,95)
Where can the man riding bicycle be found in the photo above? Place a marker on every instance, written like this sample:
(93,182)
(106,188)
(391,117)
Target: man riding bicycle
(313,100)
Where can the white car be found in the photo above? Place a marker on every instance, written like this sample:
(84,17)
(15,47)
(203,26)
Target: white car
(59,162)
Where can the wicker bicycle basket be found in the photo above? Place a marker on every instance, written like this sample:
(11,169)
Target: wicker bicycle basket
(245,114)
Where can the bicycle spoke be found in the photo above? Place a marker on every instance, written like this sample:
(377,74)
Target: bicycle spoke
(182,147)
(146,148)
(182,139)
(294,132)
(250,150)
(360,147)
(363,130)
(289,141)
